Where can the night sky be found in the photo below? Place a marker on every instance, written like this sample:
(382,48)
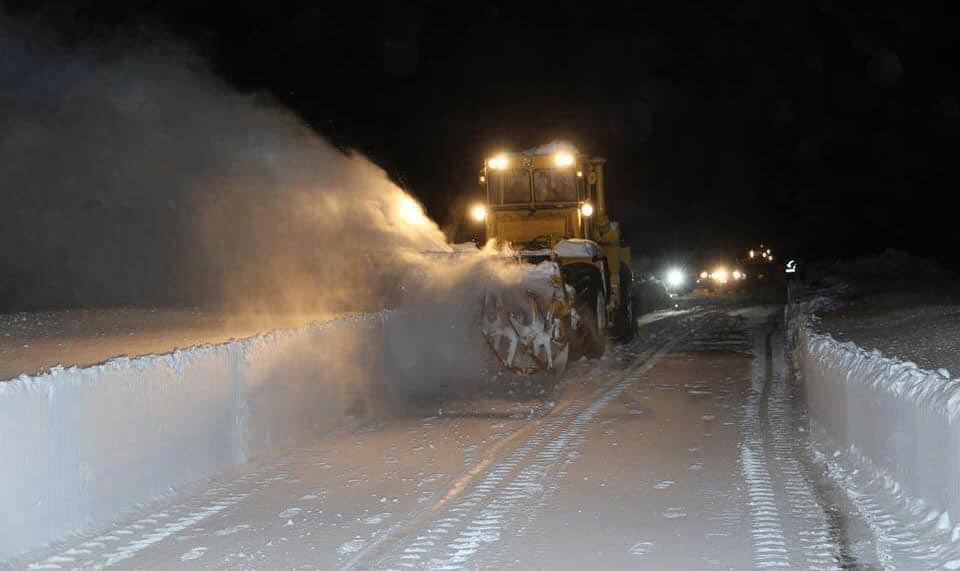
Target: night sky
(825,128)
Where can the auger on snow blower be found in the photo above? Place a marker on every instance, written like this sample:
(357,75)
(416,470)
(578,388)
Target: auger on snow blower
(545,209)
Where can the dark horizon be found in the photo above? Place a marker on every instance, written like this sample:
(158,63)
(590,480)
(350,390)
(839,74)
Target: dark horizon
(825,129)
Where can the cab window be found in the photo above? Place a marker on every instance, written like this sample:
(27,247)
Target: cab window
(555,185)
(510,187)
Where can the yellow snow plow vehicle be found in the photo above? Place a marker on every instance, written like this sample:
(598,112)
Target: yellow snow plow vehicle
(546,208)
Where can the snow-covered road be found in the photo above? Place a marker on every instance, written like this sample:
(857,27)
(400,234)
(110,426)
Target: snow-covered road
(685,449)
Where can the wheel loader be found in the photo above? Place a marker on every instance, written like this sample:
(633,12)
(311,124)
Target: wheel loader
(545,209)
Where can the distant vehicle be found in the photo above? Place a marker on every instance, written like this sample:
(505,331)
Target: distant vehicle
(761,255)
(722,277)
(679,280)
(762,266)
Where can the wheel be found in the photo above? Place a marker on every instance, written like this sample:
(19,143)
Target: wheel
(591,306)
(624,322)
(592,310)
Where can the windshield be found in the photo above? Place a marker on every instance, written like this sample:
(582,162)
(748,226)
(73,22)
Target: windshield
(554,185)
(510,187)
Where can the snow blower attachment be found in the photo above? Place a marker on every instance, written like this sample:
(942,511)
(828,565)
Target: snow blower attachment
(528,327)
(545,208)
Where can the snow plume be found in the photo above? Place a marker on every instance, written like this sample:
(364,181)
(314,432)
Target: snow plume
(435,347)
(136,177)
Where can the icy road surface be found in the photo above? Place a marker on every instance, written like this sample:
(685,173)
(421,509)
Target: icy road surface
(684,449)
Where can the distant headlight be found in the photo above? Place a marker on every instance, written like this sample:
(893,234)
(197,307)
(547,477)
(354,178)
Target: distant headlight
(704,275)
(720,275)
(675,277)
(738,275)
(478,212)
(586,209)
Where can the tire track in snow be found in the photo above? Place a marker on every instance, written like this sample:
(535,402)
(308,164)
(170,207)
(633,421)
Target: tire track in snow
(513,491)
(776,478)
(818,544)
(455,507)
(882,527)
(123,543)
(407,525)
(905,533)
(769,543)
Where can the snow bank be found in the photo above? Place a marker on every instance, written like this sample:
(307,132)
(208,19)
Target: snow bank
(894,421)
(906,420)
(80,446)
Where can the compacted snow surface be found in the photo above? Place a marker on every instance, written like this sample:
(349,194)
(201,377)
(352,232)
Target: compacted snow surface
(688,448)
(682,449)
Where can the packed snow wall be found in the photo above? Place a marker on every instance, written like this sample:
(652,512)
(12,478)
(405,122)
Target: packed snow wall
(901,419)
(79,447)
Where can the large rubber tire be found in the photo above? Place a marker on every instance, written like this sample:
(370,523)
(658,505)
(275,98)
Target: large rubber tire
(624,320)
(594,333)
(590,338)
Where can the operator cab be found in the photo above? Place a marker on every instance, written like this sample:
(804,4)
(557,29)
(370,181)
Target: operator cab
(541,195)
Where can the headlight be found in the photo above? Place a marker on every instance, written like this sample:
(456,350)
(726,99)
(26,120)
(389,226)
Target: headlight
(737,275)
(720,275)
(563,159)
(675,278)
(704,275)
(498,162)
(586,209)
(478,212)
